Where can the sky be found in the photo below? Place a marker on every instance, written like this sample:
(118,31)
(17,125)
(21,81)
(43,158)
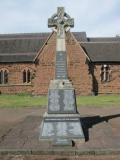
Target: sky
(95,17)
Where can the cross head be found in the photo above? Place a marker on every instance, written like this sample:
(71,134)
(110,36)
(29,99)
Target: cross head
(60,20)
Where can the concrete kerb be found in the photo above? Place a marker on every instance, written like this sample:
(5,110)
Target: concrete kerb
(65,152)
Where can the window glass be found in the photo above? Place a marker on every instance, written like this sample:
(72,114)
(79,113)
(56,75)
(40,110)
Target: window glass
(105,73)
(3,76)
(26,76)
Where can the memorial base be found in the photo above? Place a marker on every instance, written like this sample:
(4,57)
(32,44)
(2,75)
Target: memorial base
(61,123)
(62,142)
(62,129)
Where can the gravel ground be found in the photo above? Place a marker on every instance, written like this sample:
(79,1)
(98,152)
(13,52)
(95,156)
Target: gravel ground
(49,157)
(19,129)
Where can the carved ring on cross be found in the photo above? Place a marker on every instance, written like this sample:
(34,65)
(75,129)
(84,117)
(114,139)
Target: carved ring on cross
(60,18)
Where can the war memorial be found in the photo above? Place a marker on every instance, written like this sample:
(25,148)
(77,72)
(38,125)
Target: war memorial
(59,132)
(62,121)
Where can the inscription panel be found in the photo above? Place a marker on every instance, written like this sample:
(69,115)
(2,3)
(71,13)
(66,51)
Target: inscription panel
(62,128)
(69,100)
(53,101)
(61,64)
(48,129)
(61,101)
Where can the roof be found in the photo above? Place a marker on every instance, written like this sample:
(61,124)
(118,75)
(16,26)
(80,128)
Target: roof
(21,47)
(25,47)
(104,39)
(102,51)
(80,36)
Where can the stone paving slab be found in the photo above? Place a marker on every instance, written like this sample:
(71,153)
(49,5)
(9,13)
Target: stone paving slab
(54,157)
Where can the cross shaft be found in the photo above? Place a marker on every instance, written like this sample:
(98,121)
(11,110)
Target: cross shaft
(60,21)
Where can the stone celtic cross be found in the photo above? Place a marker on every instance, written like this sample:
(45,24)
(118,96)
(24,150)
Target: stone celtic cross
(60,20)
(61,122)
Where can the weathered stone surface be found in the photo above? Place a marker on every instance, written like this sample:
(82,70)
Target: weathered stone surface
(61,101)
(65,127)
(60,20)
(61,65)
(62,142)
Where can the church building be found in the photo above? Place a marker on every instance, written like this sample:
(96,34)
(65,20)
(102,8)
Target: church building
(27,63)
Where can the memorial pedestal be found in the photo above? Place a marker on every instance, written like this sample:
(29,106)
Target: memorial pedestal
(61,123)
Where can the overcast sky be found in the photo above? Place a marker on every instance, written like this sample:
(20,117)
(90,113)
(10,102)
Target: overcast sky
(95,17)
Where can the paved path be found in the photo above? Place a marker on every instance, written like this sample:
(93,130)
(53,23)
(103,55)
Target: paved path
(19,129)
(48,157)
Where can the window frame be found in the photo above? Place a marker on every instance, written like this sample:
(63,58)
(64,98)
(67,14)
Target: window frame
(26,75)
(4,76)
(105,73)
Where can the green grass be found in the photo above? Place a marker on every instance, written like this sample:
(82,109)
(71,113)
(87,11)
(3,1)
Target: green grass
(99,101)
(24,100)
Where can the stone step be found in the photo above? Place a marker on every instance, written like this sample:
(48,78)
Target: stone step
(60,71)
(60,75)
(61,68)
(60,63)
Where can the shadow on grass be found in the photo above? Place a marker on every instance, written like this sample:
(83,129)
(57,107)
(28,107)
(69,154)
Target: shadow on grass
(89,122)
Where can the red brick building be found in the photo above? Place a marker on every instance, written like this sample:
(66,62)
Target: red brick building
(27,63)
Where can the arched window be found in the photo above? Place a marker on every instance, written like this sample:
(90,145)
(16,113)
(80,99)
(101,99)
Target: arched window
(3,76)
(26,76)
(105,73)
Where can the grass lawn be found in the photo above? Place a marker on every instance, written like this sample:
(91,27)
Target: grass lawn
(99,101)
(30,101)
(22,101)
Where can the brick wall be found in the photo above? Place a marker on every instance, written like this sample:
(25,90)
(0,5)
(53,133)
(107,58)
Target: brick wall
(45,67)
(78,69)
(84,76)
(111,87)
(15,78)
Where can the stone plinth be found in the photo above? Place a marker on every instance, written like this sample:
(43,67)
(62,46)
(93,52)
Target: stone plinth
(61,126)
(61,97)
(61,123)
